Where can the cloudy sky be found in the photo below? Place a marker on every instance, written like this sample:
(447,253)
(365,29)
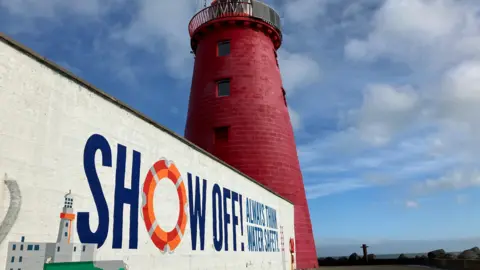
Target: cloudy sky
(383,96)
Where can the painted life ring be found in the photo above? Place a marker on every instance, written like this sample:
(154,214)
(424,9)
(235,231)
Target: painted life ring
(164,241)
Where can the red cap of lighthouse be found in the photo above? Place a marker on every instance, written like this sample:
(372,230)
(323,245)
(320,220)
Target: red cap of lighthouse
(237,109)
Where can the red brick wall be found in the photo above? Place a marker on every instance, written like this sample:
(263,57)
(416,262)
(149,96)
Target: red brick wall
(261,141)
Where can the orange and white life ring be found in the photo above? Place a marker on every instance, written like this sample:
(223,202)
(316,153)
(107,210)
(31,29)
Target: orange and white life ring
(165,241)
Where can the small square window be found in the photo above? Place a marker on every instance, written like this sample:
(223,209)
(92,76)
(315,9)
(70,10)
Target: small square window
(221,134)
(37,247)
(14,247)
(66,234)
(20,259)
(223,48)
(30,247)
(223,88)
(58,249)
(21,247)
(83,249)
(74,249)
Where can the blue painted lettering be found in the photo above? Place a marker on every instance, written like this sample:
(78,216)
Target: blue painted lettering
(217,217)
(126,196)
(261,220)
(226,216)
(241,217)
(271,240)
(255,238)
(197,210)
(94,143)
(234,219)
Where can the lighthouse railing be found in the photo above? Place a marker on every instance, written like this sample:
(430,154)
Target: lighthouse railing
(232,8)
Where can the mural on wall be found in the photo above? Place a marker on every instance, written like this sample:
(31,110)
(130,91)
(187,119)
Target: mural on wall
(62,253)
(164,241)
(231,212)
(252,225)
(13,208)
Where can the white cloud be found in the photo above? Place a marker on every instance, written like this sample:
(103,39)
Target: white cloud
(456,180)
(158,27)
(421,33)
(385,111)
(411,204)
(298,70)
(333,187)
(456,106)
(295,119)
(460,93)
(52,9)
(324,168)
(161,28)
(304,12)
(439,40)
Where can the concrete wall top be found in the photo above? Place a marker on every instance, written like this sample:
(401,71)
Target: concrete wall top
(67,74)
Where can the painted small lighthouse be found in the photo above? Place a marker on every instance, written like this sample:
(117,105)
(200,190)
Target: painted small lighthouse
(237,109)
(66,220)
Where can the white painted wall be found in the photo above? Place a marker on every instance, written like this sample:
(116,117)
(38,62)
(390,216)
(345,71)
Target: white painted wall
(45,121)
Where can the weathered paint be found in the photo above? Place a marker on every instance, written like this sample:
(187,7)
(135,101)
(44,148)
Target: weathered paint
(261,142)
(81,159)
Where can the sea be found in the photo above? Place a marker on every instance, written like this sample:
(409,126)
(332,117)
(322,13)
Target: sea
(394,256)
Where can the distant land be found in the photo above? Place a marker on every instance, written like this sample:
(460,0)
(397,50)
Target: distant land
(392,248)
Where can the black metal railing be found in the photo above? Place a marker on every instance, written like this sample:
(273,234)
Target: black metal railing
(232,8)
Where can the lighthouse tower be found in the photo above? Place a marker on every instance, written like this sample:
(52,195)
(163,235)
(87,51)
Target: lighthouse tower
(66,219)
(237,109)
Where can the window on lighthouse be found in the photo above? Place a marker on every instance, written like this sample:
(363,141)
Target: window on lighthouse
(223,88)
(221,135)
(223,48)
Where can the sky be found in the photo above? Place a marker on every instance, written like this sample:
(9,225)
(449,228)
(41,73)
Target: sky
(383,97)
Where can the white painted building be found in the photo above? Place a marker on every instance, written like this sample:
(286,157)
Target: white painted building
(134,182)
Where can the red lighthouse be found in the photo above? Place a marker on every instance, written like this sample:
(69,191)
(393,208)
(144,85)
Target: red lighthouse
(237,109)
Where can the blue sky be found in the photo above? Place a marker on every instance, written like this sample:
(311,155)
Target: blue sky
(383,96)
